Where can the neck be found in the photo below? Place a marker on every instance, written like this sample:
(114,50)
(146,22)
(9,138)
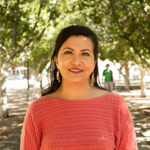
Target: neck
(69,90)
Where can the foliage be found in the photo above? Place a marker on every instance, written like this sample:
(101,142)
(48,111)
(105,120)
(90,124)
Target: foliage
(123,27)
(128,26)
(22,24)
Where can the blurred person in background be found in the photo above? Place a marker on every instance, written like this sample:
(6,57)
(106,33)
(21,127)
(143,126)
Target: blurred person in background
(109,81)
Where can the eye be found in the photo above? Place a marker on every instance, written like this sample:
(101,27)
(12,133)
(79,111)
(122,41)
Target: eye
(68,52)
(86,54)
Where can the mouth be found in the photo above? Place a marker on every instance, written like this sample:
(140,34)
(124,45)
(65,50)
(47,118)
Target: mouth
(75,70)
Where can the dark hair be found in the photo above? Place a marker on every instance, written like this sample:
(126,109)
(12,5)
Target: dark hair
(61,38)
(107,65)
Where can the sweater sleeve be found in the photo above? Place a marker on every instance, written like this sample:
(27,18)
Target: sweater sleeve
(29,136)
(127,137)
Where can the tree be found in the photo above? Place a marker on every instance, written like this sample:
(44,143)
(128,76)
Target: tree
(123,22)
(22,25)
(126,19)
(133,21)
(118,54)
(39,58)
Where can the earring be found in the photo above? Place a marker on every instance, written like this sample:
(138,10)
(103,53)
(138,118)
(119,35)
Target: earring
(92,79)
(57,76)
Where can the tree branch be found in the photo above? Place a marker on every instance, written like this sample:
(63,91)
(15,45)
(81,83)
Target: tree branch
(142,37)
(120,69)
(39,66)
(145,43)
(30,37)
(128,38)
(148,16)
(39,37)
(15,28)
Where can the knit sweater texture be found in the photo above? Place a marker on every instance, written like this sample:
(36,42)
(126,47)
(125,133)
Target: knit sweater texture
(101,123)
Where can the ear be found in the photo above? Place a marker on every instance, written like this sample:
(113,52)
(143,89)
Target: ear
(56,61)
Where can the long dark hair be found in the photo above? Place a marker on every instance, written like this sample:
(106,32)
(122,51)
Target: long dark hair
(61,38)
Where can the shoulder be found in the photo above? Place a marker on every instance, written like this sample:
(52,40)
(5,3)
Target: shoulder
(111,102)
(119,101)
(40,103)
(101,92)
(116,103)
(104,71)
(115,97)
(109,96)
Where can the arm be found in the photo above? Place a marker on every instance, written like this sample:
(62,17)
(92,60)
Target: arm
(112,77)
(103,77)
(29,138)
(126,133)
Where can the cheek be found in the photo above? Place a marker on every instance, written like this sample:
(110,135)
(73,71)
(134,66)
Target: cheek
(63,62)
(89,64)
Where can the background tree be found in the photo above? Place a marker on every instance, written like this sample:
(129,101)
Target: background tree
(133,21)
(22,23)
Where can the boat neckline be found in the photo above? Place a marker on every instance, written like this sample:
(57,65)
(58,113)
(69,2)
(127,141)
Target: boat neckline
(79,99)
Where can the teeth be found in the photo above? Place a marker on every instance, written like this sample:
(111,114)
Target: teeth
(75,70)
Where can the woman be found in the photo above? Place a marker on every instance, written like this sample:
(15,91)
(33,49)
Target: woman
(74,112)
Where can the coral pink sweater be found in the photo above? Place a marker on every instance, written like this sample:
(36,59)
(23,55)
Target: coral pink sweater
(101,123)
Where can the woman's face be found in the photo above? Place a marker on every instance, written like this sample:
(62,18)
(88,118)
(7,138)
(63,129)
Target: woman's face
(76,59)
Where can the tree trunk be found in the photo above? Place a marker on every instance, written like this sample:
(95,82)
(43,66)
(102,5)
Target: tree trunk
(35,87)
(143,85)
(126,76)
(127,83)
(3,97)
(37,80)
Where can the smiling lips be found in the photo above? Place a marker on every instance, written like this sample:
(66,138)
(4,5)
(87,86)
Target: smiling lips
(75,70)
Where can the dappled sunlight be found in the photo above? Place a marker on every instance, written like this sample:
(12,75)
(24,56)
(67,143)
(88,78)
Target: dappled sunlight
(146,125)
(17,105)
(136,113)
(133,93)
(12,144)
(147,133)
(141,101)
(141,125)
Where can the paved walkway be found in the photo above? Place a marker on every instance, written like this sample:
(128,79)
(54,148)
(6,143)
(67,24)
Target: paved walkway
(19,106)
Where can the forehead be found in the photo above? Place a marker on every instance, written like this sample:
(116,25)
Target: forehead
(80,42)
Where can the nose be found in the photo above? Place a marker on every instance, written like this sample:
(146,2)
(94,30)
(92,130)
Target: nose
(76,60)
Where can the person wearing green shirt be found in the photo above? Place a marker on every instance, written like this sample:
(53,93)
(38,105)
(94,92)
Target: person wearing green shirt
(108,78)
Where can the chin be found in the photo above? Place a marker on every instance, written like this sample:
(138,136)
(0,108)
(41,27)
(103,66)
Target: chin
(75,80)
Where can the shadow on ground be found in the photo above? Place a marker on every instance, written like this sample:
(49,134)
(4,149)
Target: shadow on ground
(12,142)
(142,128)
(17,105)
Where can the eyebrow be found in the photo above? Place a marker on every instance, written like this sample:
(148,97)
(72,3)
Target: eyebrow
(73,49)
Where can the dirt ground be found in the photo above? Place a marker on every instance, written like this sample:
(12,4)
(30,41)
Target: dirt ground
(17,108)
